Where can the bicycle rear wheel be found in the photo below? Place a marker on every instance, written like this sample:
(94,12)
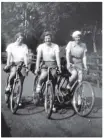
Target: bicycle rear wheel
(15,95)
(49,99)
(83,99)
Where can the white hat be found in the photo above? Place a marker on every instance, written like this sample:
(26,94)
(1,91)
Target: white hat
(76,33)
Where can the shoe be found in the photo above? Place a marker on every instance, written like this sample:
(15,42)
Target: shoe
(7,94)
(36,98)
(7,89)
(54,109)
(68,87)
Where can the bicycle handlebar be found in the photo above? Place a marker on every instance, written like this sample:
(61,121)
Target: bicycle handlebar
(50,68)
(17,67)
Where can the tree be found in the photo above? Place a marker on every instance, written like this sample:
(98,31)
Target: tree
(33,18)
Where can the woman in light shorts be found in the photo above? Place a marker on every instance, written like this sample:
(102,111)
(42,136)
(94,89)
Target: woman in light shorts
(49,52)
(16,53)
(76,56)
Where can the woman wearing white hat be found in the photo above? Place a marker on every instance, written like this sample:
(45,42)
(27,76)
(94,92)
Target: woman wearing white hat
(76,55)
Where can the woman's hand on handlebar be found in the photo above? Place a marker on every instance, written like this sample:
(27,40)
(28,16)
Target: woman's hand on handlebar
(69,66)
(59,71)
(36,71)
(6,67)
(85,68)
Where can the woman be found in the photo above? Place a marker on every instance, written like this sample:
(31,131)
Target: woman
(16,53)
(76,55)
(49,52)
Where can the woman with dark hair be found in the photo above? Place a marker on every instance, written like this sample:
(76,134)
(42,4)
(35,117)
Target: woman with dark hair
(49,52)
(16,53)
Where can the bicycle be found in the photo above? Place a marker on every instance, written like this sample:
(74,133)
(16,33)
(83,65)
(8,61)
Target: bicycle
(47,92)
(13,97)
(79,100)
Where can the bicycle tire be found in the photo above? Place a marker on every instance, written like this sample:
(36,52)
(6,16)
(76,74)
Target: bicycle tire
(35,83)
(48,90)
(7,95)
(14,109)
(77,110)
(34,87)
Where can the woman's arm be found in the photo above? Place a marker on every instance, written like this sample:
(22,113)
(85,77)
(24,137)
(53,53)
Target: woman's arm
(9,54)
(85,58)
(68,56)
(26,60)
(26,56)
(8,58)
(58,60)
(38,59)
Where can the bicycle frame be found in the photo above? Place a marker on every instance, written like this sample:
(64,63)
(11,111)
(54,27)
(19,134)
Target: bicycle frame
(17,76)
(48,78)
(49,81)
(76,82)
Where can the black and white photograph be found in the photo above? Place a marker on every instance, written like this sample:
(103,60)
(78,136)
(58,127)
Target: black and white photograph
(51,69)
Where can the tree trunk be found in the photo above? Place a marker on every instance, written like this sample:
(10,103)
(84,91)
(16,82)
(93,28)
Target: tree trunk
(94,39)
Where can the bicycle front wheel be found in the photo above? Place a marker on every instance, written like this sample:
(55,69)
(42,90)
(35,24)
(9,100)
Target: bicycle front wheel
(83,99)
(35,96)
(7,95)
(15,95)
(49,99)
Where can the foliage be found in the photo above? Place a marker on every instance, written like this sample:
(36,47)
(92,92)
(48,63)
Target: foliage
(33,18)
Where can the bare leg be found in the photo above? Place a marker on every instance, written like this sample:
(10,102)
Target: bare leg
(39,85)
(79,76)
(12,75)
(42,78)
(22,81)
(73,76)
(54,77)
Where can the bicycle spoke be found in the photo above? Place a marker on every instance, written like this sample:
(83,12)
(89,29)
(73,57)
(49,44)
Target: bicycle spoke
(86,93)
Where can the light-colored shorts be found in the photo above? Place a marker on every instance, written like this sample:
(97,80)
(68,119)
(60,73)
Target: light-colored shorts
(78,67)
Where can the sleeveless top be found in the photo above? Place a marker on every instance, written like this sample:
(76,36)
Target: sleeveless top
(48,53)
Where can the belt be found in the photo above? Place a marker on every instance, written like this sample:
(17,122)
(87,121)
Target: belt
(76,57)
(49,61)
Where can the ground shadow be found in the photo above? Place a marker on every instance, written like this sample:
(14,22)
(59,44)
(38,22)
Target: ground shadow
(96,109)
(5,130)
(93,115)
(28,107)
(64,111)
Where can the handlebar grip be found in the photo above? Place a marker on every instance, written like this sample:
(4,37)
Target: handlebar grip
(6,70)
(58,72)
